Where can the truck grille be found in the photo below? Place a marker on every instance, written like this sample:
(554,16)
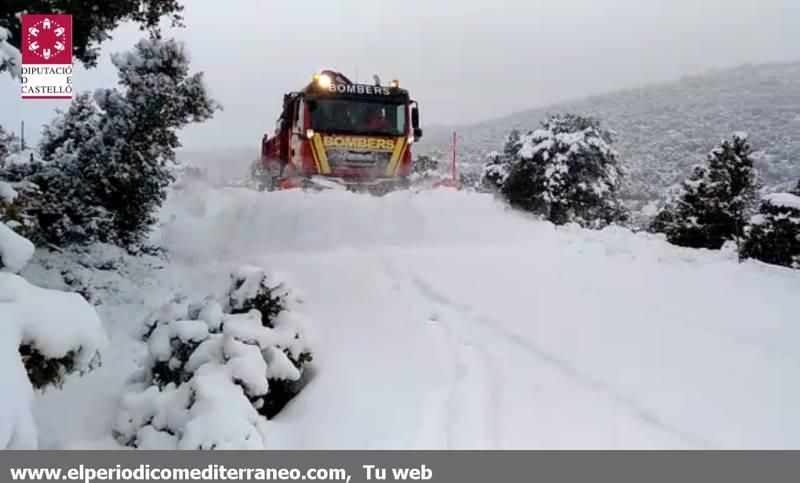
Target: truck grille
(342,158)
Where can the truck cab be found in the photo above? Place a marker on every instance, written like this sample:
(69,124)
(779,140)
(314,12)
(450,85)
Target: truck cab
(334,130)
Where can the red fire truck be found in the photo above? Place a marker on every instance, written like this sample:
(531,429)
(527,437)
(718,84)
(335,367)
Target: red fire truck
(335,132)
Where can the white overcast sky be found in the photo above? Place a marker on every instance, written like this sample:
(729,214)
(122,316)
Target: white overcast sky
(464,60)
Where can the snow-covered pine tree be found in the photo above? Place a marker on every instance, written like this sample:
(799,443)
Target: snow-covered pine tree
(716,200)
(496,170)
(66,206)
(68,133)
(138,132)
(773,235)
(109,159)
(567,172)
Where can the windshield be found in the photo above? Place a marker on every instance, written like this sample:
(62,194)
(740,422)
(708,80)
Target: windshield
(358,117)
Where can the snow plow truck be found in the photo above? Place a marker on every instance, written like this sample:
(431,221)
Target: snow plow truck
(335,133)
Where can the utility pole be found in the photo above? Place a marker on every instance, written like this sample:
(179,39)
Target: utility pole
(22,136)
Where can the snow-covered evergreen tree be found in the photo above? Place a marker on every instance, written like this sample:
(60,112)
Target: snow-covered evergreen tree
(567,172)
(66,205)
(496,170)
(70,132)
(108,160)
(773,235)
(138,132)
(715,201)
(216,369)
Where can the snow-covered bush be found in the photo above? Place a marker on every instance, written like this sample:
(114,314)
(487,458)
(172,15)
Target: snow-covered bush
(565,171)
(773,235)
(15,251)
(499,165)
(425,164)
(109,159)
(715,201)
(216,369)
(44,335)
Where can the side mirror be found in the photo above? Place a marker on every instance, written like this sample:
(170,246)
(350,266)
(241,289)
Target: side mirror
(417,133)
(415,118)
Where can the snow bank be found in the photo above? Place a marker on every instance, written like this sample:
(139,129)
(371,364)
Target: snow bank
(291,221)
(15,250)
(7,192)
(17,425)
(56,324)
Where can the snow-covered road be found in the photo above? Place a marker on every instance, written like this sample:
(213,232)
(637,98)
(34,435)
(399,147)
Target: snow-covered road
(443,320)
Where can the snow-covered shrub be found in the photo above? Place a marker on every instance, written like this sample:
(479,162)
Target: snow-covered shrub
(216,369)
(108,160)
(715,201)
(496,170)
(17,195)
(44,335)
(15,250)
(773,235)
(470,176)
(565,171)
(425,165)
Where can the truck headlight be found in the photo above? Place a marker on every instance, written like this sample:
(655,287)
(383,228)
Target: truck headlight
(324,81)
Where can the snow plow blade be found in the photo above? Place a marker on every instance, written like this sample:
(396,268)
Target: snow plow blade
(318,183)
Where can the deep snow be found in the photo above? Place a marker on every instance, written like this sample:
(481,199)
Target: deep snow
(443,320)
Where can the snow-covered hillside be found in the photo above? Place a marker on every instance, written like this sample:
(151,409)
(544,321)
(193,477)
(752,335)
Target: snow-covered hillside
(662,130)
(444,320)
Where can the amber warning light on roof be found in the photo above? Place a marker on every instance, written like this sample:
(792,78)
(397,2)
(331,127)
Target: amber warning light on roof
(46,57)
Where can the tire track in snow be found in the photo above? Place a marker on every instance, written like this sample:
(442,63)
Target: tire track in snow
(597,385)
(467,403)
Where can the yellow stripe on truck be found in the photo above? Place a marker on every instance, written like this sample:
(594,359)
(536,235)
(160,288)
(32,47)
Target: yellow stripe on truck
(314,154)
(397,155)
(322,155)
